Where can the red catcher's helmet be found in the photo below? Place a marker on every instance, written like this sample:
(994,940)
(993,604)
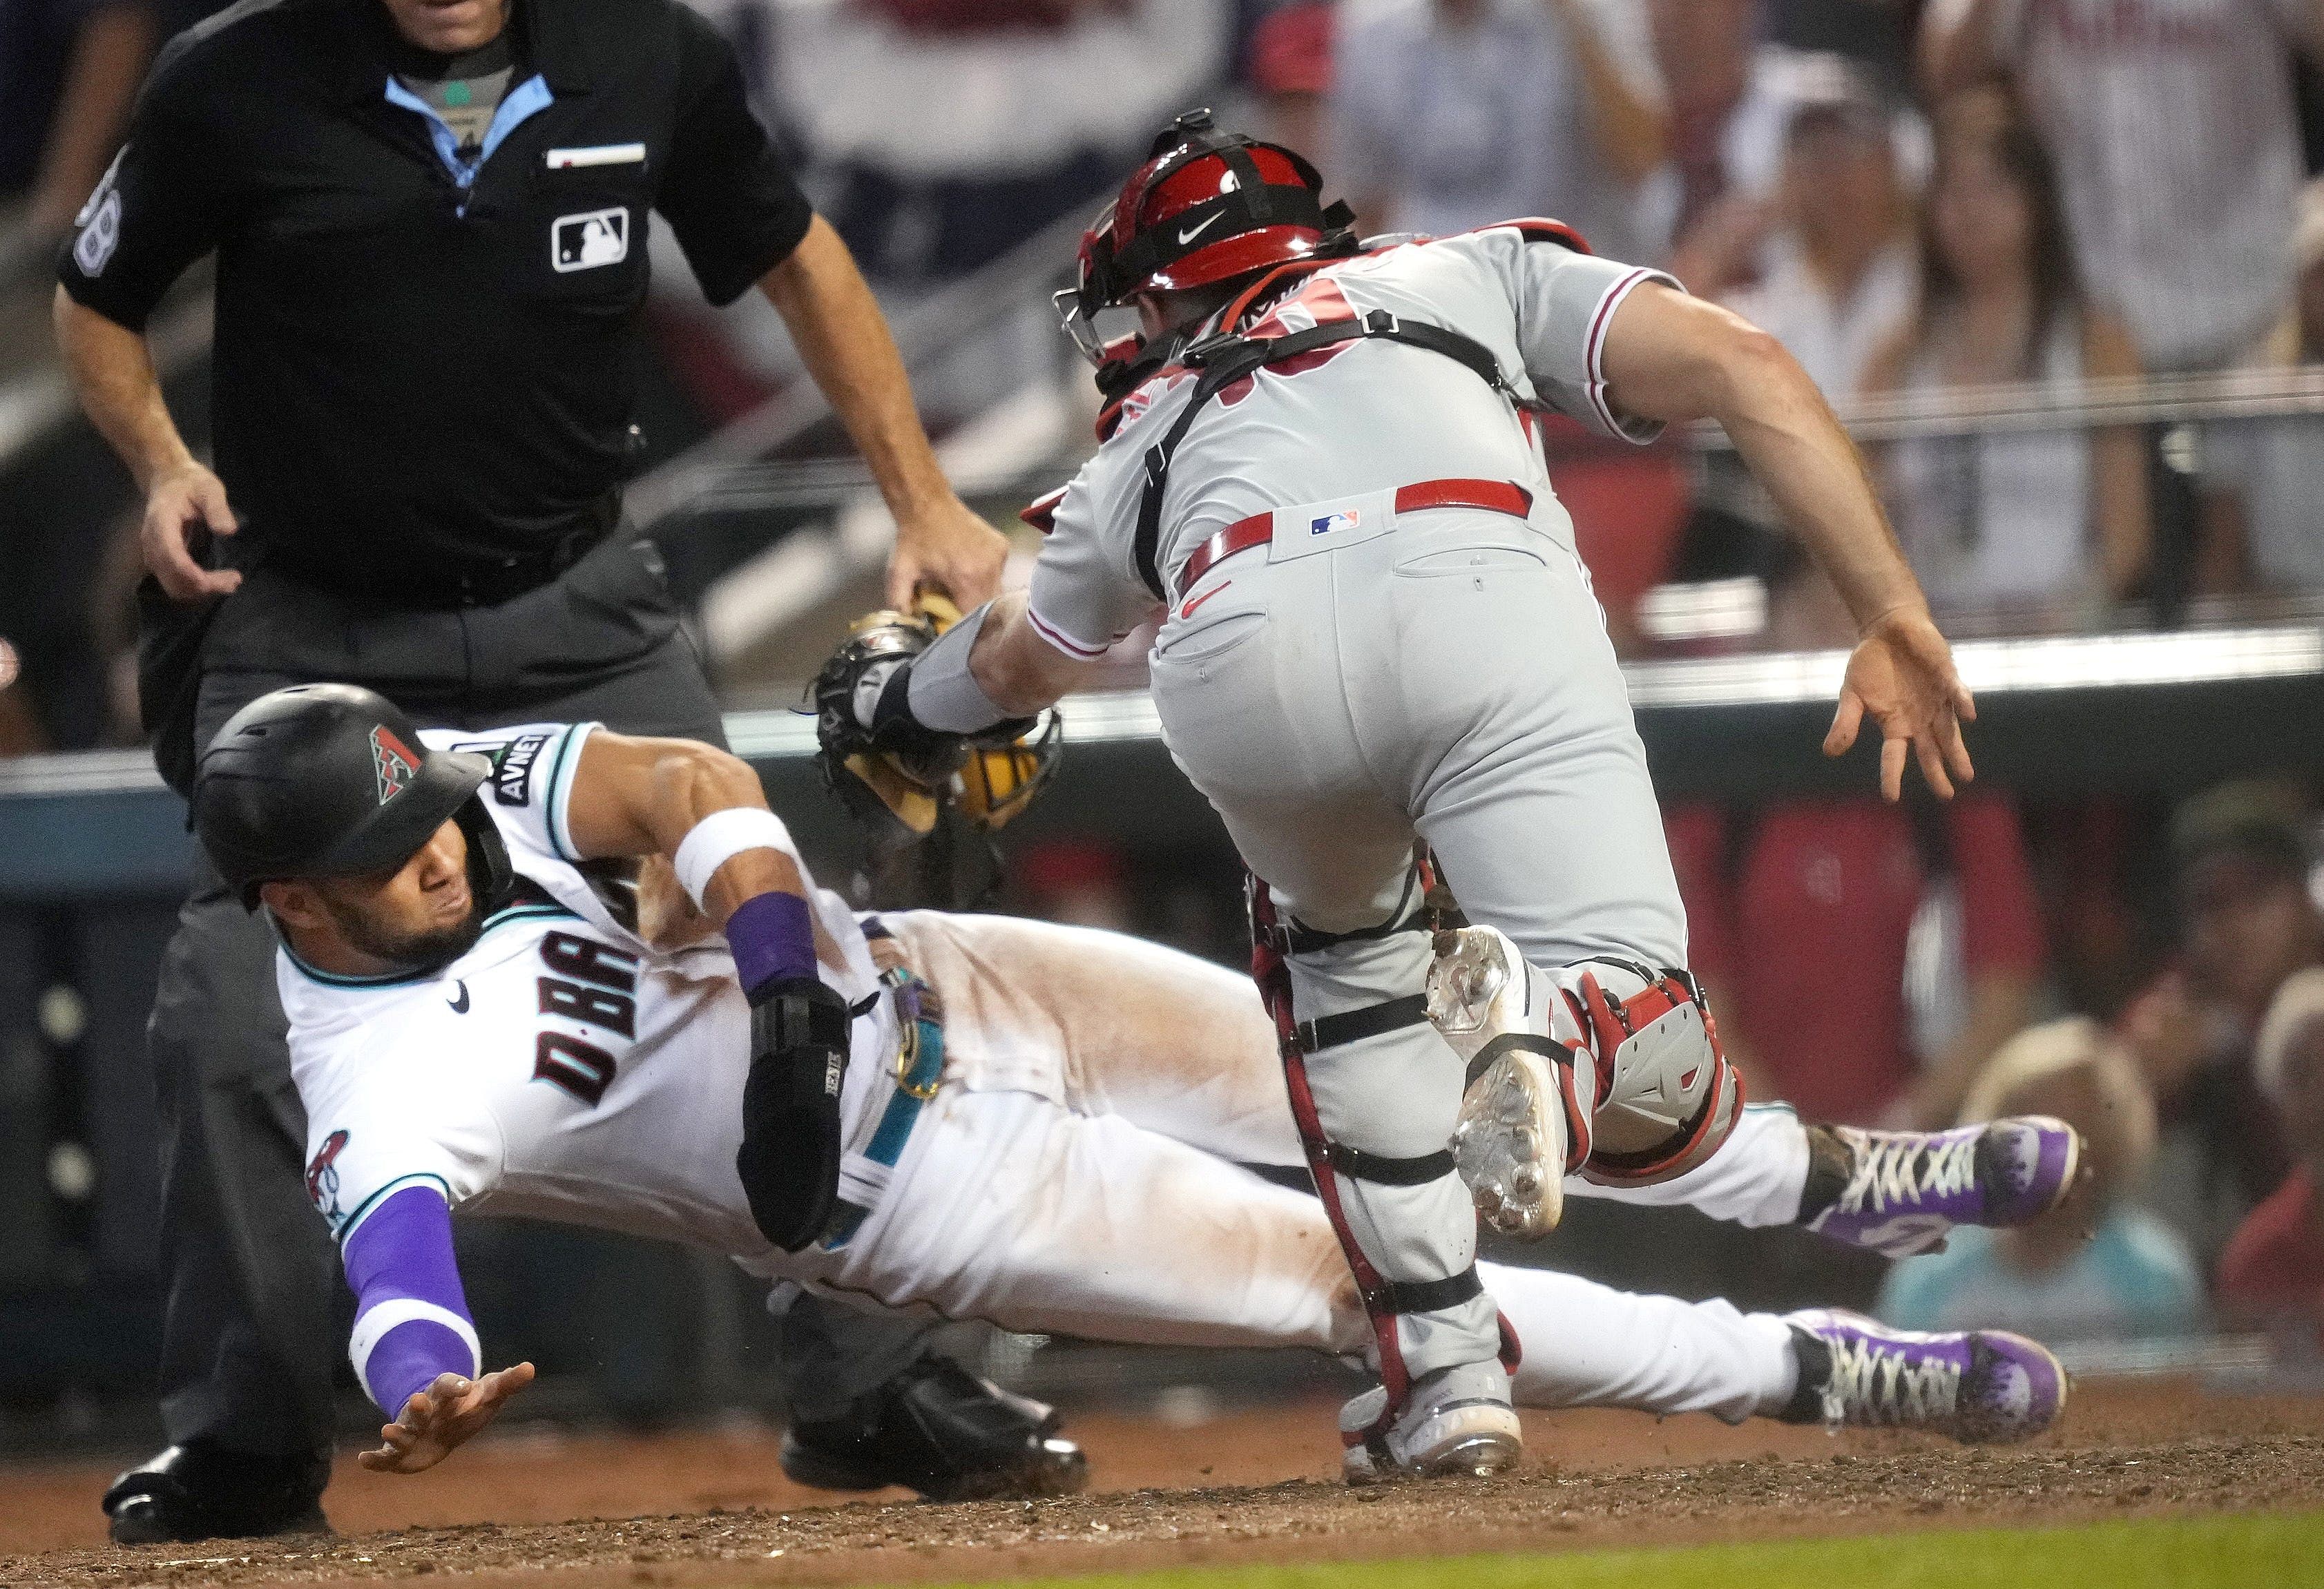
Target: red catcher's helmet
(1206,206)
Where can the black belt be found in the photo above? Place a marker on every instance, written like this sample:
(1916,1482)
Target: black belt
(450,584)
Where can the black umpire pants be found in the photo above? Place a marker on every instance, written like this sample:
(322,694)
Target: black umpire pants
(251,1338)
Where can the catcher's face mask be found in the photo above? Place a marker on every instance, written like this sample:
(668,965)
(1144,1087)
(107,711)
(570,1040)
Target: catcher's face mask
(1205,207)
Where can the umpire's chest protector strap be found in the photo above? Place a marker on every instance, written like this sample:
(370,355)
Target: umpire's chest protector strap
(1229,357)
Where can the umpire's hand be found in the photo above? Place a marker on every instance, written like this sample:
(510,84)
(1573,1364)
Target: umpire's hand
(176,502)
(947,548)
(441,1417)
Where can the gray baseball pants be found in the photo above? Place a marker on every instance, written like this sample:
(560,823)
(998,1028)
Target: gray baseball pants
(1449,680)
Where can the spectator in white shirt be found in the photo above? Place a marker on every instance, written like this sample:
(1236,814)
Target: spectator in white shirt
(1832,275)
(1838,279)
(1448,115)
(2028,518)
(1733,99)
(2174,127)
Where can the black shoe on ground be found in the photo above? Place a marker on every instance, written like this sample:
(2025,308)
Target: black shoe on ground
(200,1490)
(939,1429)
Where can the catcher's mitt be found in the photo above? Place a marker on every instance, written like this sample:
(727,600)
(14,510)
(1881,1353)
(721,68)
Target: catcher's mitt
(902,772)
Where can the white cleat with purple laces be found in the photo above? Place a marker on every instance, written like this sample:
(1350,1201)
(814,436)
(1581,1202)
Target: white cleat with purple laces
(1978,1386)
(1897,1193)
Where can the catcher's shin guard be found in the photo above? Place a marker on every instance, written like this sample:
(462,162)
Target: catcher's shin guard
(1402,1218)
(1619,1064)
(1667,1099)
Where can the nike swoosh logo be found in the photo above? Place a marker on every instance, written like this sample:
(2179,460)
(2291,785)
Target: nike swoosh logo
(460,1004)
(1191,234)
(1188,610)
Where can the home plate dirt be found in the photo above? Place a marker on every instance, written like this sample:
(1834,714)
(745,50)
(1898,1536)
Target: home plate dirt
(713,1509)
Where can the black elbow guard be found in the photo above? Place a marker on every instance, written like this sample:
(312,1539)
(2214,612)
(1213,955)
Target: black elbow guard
(790,1159)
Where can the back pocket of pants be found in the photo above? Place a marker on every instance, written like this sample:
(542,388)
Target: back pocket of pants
(1449,562)
(1211,639)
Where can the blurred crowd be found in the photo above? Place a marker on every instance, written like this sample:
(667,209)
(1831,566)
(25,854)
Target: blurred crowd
(1914,196)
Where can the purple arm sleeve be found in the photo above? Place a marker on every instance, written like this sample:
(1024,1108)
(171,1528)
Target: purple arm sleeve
(412,1316)
(772,937)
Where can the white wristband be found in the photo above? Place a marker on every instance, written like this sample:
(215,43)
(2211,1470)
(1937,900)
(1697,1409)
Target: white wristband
(372,1329)
(721,836)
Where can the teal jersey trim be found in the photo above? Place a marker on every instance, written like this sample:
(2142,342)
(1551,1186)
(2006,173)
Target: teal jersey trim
(498,919)
(555,796)
(363,1210)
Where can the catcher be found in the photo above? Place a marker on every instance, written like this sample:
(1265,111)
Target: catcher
(1032,1124)
(1320,467)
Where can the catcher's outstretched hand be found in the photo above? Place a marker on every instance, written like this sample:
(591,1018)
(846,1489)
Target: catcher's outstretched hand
(443,1417)
(1901,674)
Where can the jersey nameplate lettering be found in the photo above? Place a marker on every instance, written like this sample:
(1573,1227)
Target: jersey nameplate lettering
(594,986)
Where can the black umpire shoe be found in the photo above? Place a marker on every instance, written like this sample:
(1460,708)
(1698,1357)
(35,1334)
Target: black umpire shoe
(200,1490)
(939,1429)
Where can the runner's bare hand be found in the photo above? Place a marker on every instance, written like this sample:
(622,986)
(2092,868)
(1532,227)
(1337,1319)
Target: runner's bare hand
(443,1417)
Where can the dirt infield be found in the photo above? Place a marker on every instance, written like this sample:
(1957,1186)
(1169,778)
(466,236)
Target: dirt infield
(711,1509)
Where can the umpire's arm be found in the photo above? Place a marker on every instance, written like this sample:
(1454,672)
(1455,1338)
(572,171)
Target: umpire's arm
(737,211)
(152,215)
(112,373)
(843,339)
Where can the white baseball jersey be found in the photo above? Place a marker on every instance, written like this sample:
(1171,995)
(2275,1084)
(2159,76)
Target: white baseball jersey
(562,1068)
(1361,417)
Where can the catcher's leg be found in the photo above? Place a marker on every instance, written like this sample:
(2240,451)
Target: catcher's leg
(1614,1058)
(1375,1092)
(1263,698)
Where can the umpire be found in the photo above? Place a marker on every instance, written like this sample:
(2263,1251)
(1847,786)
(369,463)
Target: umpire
(431,221)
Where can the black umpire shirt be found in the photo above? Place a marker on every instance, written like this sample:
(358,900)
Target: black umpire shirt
(424,369)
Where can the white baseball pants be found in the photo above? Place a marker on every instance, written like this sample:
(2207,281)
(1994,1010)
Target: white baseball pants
(1080,1172)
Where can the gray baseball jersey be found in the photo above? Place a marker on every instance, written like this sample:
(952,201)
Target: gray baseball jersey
(1363,415)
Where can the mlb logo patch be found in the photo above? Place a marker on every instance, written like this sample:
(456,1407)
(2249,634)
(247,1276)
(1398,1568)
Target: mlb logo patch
(586,241)
(1347,519)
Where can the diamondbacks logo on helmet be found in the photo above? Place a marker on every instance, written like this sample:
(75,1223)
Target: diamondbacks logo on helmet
(392,763)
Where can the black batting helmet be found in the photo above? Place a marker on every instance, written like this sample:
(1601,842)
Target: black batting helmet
(331,781)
